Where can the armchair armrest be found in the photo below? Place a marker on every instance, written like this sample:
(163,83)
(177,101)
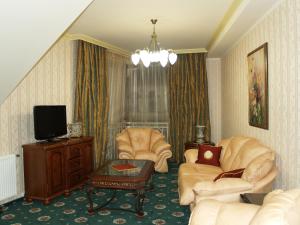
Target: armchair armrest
(191,155)
(212,212)
(160,146)
(222,186)
(125,151)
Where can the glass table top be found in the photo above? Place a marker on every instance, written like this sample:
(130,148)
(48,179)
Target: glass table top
(109,170)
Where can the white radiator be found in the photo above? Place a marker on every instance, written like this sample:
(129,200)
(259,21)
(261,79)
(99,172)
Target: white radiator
(8,177)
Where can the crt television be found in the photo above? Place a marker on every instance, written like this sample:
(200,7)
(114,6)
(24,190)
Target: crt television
(50,121)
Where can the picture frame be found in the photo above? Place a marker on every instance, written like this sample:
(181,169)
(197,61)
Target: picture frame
(258,111)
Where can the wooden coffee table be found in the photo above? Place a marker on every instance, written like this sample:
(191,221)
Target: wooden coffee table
(107,177)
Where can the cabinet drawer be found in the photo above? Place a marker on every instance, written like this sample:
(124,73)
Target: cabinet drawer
(76,178)
(74,164)
(74,151)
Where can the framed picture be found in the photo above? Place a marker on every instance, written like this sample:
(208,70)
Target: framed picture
(258,87)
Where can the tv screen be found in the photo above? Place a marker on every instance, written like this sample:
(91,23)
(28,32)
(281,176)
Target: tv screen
(50,121)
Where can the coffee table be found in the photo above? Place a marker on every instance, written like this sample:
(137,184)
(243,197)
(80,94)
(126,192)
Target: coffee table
(139,180)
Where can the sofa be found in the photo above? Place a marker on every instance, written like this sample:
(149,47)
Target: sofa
(144,143)
(196,181)
(278,208)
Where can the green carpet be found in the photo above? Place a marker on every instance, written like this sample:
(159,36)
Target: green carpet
(161,207)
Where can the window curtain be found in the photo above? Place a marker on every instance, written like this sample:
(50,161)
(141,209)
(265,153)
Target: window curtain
(146,94)
(188,100)
(116,69)
(91,96)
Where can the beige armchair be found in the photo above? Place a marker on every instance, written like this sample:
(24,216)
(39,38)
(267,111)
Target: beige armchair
(279,208)
(144,143)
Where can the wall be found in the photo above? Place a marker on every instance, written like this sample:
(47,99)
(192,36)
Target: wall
(49,82)
(280,28)
(213,67)
(28,29)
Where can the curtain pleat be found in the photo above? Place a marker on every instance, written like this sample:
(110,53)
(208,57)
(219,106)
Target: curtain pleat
(188,100)
(91,96)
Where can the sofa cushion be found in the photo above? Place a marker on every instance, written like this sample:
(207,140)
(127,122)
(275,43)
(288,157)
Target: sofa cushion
(259,167)
(209,155)
(230,174)
(189,175)
(240,152)
(221,186)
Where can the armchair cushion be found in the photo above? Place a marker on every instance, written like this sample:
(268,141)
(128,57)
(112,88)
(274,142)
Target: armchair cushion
(208,154)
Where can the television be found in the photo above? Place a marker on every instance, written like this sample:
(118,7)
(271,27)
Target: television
(50,121)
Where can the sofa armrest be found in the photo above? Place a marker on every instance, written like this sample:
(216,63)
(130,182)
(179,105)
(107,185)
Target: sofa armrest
(191,155)
(212,212)
(160,146)
(222,186)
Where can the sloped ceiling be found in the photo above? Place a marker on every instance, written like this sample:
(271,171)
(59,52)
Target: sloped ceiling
(28,29)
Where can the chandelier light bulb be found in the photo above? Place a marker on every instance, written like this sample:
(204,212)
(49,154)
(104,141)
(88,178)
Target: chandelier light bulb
(154,53)
(145,57)
(135,58)
(163,58)
(172,58)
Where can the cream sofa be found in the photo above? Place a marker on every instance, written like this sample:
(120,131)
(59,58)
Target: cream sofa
(279,208)
(144,143)
(195,181)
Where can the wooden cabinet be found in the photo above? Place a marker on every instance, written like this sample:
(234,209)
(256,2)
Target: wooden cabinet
(55,168)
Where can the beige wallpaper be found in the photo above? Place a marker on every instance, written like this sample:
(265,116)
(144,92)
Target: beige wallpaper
(213,66)
(281,29)
(49,82)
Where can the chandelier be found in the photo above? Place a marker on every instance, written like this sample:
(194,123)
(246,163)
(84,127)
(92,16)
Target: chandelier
(153,53)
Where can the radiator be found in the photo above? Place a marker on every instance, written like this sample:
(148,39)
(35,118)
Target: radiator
(8,177)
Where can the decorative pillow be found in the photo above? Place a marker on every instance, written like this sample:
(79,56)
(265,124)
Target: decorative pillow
(208,154)
(230,174)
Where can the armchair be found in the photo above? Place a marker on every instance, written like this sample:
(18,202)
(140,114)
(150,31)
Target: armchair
(280,208)
(144,143)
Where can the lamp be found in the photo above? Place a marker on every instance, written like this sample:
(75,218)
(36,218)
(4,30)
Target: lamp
(154,53)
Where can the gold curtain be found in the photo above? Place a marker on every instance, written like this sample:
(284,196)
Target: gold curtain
(188,99)
(91,96)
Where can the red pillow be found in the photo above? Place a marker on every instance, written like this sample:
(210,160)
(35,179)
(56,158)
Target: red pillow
(232,173)
(208,154)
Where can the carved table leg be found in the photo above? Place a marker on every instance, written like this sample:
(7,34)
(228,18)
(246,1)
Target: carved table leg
(140,202)
(89,192)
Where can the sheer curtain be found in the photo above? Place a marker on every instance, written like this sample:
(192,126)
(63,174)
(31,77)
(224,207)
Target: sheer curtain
(116,70)
(146,95)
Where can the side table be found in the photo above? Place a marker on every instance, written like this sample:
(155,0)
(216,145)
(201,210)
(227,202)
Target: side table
(194,144)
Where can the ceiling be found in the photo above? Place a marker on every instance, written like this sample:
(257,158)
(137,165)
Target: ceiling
(189,24)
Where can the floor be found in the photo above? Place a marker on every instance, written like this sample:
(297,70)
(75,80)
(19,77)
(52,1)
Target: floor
(161,207)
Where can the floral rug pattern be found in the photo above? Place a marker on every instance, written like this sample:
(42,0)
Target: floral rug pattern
(160,207)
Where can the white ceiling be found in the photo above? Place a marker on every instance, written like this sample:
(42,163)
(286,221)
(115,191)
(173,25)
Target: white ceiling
(126,24)
(189,24)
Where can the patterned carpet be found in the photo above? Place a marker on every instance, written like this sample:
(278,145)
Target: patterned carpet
(160,207)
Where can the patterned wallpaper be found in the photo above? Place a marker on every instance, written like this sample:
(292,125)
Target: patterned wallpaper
(280,28)
(213,67)
(49,82)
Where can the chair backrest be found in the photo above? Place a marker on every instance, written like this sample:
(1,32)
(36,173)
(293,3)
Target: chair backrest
(141,139)
(279,208)
(239,152)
